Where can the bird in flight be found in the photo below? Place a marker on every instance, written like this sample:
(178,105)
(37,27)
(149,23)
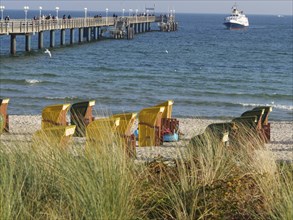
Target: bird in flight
(48,52)
(167,51)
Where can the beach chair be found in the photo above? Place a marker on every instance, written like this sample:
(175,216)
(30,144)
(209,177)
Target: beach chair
(258,113)
(54,136)
(222,131)
(5,116)
(81,114)
(217,132)
(149,126)
(170,126)
(54,115)
(248,122)
(266,126)
(124,130)
(101,132)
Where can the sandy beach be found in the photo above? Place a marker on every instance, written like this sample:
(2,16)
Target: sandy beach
(23,126)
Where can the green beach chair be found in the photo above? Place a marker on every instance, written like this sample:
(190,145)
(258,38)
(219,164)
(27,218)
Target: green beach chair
(266,126)
(81,114)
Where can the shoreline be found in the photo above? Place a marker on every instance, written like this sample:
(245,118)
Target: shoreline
(281,145)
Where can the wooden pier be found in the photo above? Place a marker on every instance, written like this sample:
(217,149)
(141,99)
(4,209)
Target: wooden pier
(88,28)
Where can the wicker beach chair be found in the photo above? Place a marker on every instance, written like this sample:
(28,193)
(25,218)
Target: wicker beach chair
(54,136)
(218,133)
(266,126)
(54,115)
(5,116)
(124,131)
(101,132)
(170,126)
(149,126)
(81,114)
(259,113)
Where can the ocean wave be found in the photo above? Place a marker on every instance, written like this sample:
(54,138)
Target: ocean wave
(33,81)
(61,98)
(283,107)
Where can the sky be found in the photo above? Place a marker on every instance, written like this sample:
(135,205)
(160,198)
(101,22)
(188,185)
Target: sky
(256,7)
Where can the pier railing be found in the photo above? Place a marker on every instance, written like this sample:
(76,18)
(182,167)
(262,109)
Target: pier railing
(20,26)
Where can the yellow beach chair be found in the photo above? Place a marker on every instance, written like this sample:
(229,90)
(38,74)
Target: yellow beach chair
(149,126)
(54,115)
(57,135)
(5,116)
(81,114)
(101,132)
(124,132)
(170,126)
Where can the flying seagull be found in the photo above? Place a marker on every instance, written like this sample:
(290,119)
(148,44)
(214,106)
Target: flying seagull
(167,51)
(48,52)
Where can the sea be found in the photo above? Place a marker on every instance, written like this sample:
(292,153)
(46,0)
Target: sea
(209,71)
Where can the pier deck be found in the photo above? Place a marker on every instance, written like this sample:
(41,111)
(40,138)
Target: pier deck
(88,28)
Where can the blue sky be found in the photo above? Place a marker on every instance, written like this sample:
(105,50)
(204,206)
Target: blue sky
(273,7)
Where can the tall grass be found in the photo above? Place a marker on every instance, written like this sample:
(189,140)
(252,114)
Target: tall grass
(209,181)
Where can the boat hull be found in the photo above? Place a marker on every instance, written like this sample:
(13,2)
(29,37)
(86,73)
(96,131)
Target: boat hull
(231,25)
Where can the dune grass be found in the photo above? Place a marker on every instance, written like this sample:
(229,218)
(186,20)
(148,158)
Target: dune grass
(209,181)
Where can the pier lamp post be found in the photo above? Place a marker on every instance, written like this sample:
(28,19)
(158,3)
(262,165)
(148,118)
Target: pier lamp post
(147,11)
(136,10)
(130,10)
(2,7)
(107,16)
(123,12)
(25,8)
(57,9)
(85,15)
(40,12)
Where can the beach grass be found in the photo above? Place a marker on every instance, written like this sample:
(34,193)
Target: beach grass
(209,180)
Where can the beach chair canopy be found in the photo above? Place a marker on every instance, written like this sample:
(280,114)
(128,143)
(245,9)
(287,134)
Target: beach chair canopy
(149,126)
(101,131)
(168,108)
(265,117)
(56,135)
(126,122)
(54,115)
(81,115)
(258,113)
(246,121)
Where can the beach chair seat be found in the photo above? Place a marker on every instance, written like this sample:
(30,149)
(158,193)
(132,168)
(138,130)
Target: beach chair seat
(57,135)
(5,116)
(81,114)
(149,126)
(124,131)
(266,126)
(169,125)
(101,132)
(54,115)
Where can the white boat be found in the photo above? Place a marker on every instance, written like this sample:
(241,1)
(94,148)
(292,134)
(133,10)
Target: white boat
(236,20)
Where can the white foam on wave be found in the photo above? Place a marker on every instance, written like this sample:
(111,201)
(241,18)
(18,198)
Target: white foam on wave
(284,107)
(60,98)
(32,81)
